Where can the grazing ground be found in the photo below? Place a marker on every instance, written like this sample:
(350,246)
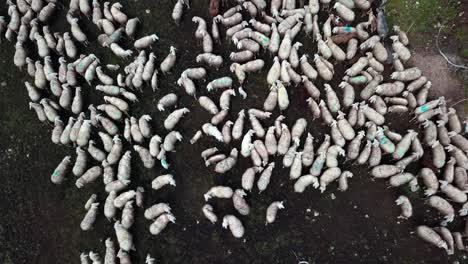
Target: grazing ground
(422,20)
(40,221)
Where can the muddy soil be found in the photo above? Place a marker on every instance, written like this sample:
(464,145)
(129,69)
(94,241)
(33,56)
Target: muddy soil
(40,221)
(443,77)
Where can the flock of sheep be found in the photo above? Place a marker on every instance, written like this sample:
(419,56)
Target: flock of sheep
(354,34)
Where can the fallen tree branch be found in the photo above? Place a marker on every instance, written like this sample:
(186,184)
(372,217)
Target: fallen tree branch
(444,56)
(459,102)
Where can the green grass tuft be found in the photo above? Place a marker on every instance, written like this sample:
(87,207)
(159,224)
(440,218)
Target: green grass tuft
(7,259)
(465,88)
(461,35)
(421,15)
(464,53)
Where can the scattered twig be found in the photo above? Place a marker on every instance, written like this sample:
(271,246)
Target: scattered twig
(444,56)
(412,119)
(299,261)
(459,102)
(410,27)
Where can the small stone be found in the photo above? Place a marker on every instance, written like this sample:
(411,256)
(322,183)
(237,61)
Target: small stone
(147,11)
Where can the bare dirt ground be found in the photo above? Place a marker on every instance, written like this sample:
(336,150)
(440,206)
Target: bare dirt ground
(445,81)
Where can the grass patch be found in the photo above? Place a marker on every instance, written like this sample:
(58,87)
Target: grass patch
(465,88)
(419,194)
(421,15)
(461,35)
(464,52)
(7,259)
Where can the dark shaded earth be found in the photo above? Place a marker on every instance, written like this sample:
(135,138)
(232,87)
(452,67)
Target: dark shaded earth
(40,221)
